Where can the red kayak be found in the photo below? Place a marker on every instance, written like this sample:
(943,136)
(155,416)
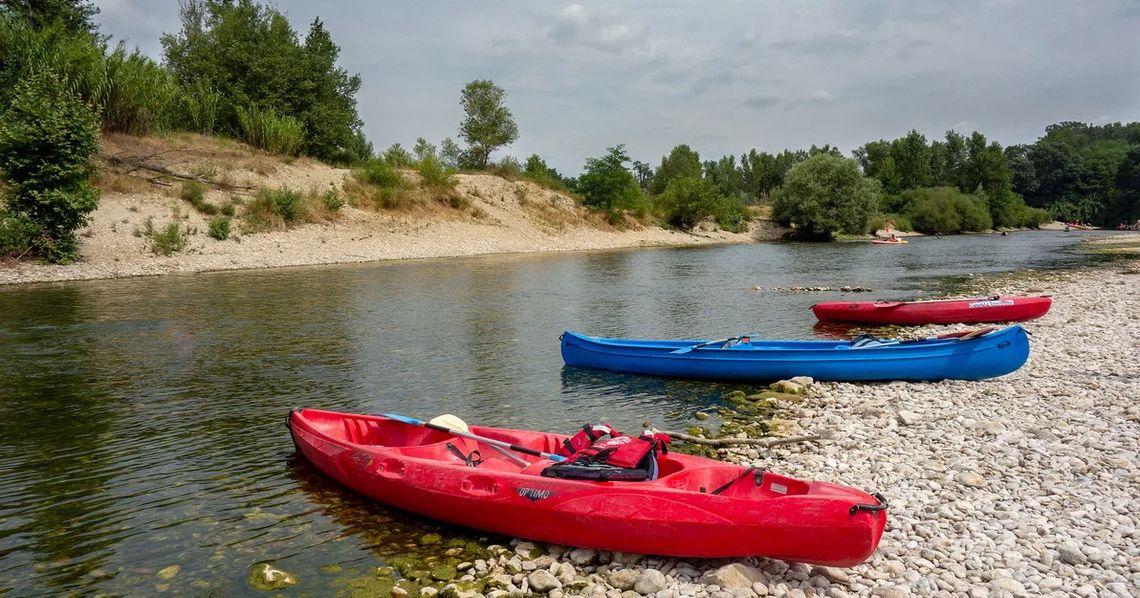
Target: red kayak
(696,507)
(948,311)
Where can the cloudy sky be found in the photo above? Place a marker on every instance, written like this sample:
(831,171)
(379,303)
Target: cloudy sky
(721,76)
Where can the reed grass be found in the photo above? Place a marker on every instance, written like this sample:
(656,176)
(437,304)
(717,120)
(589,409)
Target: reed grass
(265,129)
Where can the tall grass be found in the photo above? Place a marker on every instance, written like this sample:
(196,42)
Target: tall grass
(137,93)
(278,209)
(265,129)
(198,108)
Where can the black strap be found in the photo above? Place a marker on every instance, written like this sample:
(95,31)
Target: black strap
(728,485)
(471,460)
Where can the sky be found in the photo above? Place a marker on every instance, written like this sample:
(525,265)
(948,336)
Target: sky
(722,77)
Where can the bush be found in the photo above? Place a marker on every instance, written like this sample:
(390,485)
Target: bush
(282,202)
(880,221)
(18,234)
(332,200)
(731,214)
(277,134)
(508,168)
(220,228)
(826,194)
(937,210)
(377,172)
(194,193)
(687,200)
(607,185)
(167,240)
(435,174)
(48,138)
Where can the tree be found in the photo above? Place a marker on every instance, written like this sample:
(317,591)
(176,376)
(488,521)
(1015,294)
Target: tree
(250,54)
(606,183)
(488,124)
(826,194)
(48,138)
(682,161)
(450,153)
(725,176)
(72,15)
(688,200)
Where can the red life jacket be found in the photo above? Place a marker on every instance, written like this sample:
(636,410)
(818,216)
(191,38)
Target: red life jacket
(588,435)
(617,458)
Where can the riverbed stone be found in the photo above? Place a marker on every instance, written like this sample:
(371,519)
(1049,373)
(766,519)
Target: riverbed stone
(264,576)
(649,582)
(733,575)
(543,581)
(623,579)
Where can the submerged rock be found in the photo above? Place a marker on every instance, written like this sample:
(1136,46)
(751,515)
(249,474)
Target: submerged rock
(263,576)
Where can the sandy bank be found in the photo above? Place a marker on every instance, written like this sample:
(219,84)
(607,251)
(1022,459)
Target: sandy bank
(497,216)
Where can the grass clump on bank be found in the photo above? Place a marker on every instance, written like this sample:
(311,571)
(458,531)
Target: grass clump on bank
(171,238)
(280,209)
(219,228)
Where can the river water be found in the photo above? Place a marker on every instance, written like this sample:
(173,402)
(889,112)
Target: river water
(142,445)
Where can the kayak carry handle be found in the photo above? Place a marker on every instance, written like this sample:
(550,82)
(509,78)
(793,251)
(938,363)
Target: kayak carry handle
(882,506)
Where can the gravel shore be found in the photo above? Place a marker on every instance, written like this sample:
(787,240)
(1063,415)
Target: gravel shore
(1027,485)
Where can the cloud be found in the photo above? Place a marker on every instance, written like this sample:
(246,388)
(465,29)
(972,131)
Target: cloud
(577,26)
(761,102)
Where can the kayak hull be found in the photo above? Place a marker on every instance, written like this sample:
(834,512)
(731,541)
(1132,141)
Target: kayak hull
(916,313)
(994,354)
(410,468)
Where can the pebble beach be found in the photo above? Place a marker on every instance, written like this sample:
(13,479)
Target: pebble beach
(1025,485)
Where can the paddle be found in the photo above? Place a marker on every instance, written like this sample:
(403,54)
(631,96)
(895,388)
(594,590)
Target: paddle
(475,437)
(684,350)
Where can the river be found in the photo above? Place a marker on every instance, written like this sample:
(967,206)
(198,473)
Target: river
(141,420)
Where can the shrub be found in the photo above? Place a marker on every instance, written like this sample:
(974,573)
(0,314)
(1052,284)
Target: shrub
(18,234)
(435,175)
(283,202)
(687,200)
(731,214)
(508,168)
(48,138)
(277,134)
(220,228)
(939,210)
(607,185)
(167,240)
(332,200)
(397,156)
(377,172)
(194,193)
(879,222)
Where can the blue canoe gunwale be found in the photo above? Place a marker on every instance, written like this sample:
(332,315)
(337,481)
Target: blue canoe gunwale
(993,354)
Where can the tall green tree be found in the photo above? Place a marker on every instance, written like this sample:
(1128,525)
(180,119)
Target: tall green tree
(725,176)
(487,124)
(826,194)
(606,183)
(72,15)
(250,54)
(682,161)
(48,139)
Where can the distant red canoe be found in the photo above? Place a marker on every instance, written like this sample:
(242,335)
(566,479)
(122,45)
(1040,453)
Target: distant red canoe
(697,507)
(950,311)
(889,242)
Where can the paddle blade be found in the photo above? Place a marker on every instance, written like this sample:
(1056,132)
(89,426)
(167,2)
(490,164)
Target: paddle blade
(683,350)
(403,418)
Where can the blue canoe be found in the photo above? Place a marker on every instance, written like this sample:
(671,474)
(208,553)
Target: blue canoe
(975,356)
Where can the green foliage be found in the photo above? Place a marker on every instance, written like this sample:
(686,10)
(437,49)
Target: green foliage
(198,108)
(435,174)
(487,124)
(879,222)
(397,156)
(282,202)
(220,228)
(938,210)
(250,55)
(48,138)
(137,94)
(265,129)
(508,167)
(332,200)
(607,185)
(195,193)
(537,171)
(762,173)
(725,176)
(70,15)
(169,239)
(450,153)
(731,214)
(377,172)
(687,200)
(826,194)
(681,162)
(18,234)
